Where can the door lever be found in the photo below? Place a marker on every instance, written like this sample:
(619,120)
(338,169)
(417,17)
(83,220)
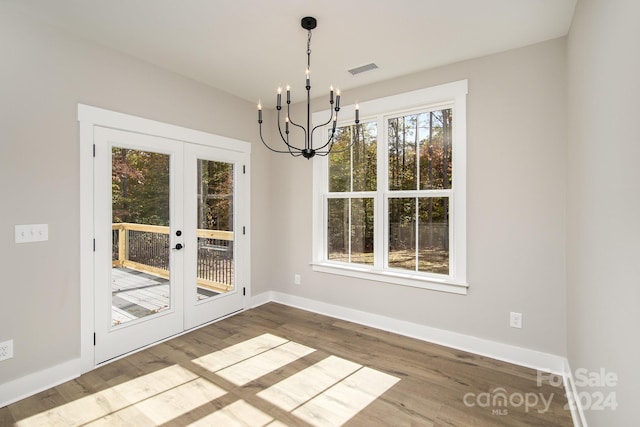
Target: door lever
(178,246)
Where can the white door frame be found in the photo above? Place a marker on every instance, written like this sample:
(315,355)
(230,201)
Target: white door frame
(89,117)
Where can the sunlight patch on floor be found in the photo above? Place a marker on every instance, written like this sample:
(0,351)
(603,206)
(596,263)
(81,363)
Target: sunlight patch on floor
(166,406)
(113,399)
(237,414)
(327,393)
(221,359)
(292,392)
(251,369)
(344,400)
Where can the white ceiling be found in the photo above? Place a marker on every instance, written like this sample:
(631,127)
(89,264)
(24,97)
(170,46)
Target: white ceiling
(249,47)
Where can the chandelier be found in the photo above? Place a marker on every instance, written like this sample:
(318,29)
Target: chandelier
(308,151)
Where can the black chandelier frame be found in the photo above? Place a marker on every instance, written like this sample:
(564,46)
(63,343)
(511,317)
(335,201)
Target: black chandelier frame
(308,152)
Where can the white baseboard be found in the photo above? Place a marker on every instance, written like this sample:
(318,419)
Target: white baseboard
(28,385)
(260,299)
(575,404)
(540,361)
(545,362)
(36,382)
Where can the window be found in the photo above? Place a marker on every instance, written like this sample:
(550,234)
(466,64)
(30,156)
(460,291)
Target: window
(389,202)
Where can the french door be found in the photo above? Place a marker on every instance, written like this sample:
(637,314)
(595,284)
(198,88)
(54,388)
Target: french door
(166,214)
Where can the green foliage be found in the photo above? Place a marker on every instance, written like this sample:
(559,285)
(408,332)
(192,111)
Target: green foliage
(140,190)
(140,187)
(353,158)
(352,167)
(419,158)
(423,139)
(215,195)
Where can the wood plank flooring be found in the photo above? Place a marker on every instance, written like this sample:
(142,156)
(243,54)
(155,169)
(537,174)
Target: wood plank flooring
(279,366)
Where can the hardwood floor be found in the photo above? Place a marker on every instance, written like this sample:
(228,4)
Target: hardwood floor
(279,366)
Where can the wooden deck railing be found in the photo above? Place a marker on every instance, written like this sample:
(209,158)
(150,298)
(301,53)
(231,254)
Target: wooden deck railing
(146,248)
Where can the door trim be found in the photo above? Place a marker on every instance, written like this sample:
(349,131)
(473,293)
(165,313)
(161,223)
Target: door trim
(88,118)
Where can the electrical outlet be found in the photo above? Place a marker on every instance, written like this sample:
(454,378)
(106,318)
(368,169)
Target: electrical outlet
(296,279)
(515,320)
(6,350)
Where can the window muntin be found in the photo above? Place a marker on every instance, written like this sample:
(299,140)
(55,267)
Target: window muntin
(352,182)
(419,161)
(430,137)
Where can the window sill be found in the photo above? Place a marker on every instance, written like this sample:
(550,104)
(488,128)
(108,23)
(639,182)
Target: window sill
(393,277)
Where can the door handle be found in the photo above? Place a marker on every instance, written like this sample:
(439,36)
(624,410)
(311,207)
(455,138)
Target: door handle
(178,246)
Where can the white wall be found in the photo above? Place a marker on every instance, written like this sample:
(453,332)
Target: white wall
(603,207)
(516,207)
(43,76)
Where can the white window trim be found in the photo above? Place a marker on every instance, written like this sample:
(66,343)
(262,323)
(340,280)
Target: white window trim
(453,94)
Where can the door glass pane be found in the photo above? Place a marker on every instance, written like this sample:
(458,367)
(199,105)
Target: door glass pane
(215,262)
(140,262)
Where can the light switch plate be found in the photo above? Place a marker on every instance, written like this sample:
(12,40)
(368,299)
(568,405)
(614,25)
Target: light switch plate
(31,233)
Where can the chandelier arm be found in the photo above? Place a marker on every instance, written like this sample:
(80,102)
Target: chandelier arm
(333,133)
(330,150)
(330,140)
(333,129)
(286,140)
(280,151)
(298,126)
(327,122)
(294,123)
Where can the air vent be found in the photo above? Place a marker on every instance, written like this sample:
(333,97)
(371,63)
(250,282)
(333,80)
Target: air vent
(363,68)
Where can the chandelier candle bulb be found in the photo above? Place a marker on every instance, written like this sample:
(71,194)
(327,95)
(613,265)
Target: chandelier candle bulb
(279,98)
(288,94)
(357,113)
(259,112)
(331,95)
(337,99)
(308,77)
